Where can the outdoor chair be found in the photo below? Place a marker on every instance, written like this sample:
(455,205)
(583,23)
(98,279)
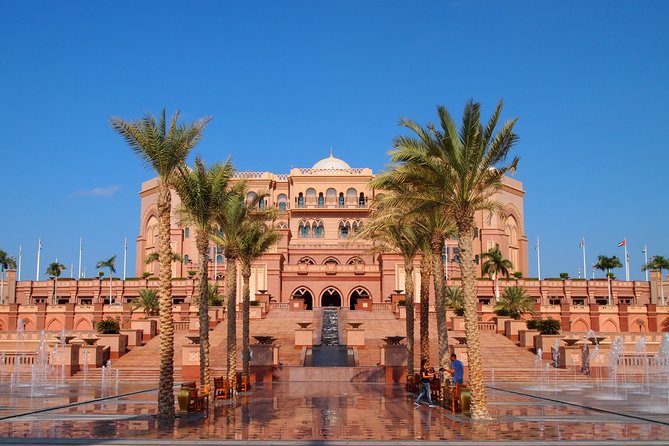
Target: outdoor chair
(221,388)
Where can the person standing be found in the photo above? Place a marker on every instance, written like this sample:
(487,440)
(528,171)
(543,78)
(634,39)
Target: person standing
(457,370)
(425,377)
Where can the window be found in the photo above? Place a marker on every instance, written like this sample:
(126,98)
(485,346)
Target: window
(282,199)
(331,196)
(351,196)
(476,232)
(186,259)
(304,229)
(300,200)
(187,232)
(321,200)
(318,229)
(362,201)
(282,206)
(219,259)
(476,259)
(341,199)
(311,196)
(250,197)
(344,229)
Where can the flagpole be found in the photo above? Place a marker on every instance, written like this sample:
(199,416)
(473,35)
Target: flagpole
(538,248)
(81,247)
(71,270)
(39,253)
(585,273)
(627,263)
(18,273)
(645,259)
(125,253)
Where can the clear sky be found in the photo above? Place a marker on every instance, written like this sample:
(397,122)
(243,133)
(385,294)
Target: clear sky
(286,80)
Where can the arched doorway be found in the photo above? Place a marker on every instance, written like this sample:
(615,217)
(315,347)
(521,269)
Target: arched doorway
(358,293)
(331,298)
(305,294)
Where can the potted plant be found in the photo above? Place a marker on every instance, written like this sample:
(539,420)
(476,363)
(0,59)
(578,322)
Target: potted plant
(109,333)
(549,330)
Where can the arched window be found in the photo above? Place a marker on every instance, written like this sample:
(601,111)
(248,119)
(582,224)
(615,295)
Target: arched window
(186,259)
(282,199)
(311,196)
(250,196)
(331,261)
(304,229)
(355,261)
(476,232)
(261,204)
(300,200)
(356,226)
(351,196)
(321,200)
(344,229)
(331,196)
(362,201)
(186,232)
(318,229)
(306,261)
(282,225)
(219,259)
(341,199)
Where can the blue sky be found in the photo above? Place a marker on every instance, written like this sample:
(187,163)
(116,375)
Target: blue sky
(284,81)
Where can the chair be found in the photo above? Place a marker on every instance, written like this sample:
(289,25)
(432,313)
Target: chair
(455,397)
(243,382)
(221,388)
(197,400)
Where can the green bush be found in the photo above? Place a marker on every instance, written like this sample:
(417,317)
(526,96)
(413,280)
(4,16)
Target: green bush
(254,303)
(402,303)
(548,326)
(108,326)
(518,274)
(145,274)
(564,276)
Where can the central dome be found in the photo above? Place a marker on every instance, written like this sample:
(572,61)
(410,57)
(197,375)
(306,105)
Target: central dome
(331,163)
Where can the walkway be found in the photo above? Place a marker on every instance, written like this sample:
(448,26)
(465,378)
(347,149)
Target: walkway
(330,413)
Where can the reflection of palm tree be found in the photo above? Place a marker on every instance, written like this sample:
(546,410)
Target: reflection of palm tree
(109,263)
(6,262)
(460,171)
(163,146)
(660,263)
(202,192)
(494,264)
(54,270)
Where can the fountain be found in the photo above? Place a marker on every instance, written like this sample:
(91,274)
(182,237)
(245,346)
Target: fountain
(18,357)
(40,368)
(329,353)
(642,353)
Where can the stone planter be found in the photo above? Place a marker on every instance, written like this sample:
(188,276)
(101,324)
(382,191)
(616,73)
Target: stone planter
(501,323)
(304,337)
(117,343)
(512,327)
(458,323)
(134,336)
(297,304)
(545,343)
(364,304)
(526,338)
(355,337)
(255,312)
(149,327)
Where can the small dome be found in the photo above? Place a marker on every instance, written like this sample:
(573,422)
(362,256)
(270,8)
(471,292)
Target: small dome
(331,163)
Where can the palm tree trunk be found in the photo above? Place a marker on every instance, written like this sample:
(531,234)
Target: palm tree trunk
(165,390)
(246,296)
(494,276)
(479,405)
(425,273)
(408,295)
(440,306)
(231,289)
(202,241)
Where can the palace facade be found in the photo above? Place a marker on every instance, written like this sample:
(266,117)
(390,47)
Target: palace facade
(320,209)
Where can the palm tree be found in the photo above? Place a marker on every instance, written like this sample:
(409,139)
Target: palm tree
(154,256)
(395,231)
(6,262)
(494,264)
(660,263)
(460,171)
(437,228)
(54,270)
(109,263)
(163,146)
(148,300)
(515,301)
(214,297)
(233,212)
(256,240)
(455,300)
(202,192)
(605,263)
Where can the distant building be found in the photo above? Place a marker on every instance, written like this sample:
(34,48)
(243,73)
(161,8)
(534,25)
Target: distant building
(320,209)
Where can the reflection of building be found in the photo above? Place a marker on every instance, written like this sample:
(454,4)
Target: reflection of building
(320,208)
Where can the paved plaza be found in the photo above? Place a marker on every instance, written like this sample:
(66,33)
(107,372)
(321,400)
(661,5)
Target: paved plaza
(327,413)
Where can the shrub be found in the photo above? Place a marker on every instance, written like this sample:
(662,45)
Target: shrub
(191,273)
(518,274)
(548,326)
(564,276)
(254,303)
(108,326)
(145,274)
(101,273)
(402,303)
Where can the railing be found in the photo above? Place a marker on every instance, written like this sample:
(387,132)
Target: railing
(279,305)
(382,306)
(26,358)
(325,268)
(180,326)
(488,326)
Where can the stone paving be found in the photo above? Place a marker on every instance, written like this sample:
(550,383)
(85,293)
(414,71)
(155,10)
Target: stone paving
(321,413)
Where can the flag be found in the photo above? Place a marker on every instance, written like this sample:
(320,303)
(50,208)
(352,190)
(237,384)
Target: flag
(582,244)
(623,243)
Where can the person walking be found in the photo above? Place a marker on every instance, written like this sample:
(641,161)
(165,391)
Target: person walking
(425,377)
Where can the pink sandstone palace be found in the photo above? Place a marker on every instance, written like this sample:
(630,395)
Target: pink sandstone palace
(316,264)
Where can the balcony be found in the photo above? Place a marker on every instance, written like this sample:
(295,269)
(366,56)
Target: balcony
(330,269)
